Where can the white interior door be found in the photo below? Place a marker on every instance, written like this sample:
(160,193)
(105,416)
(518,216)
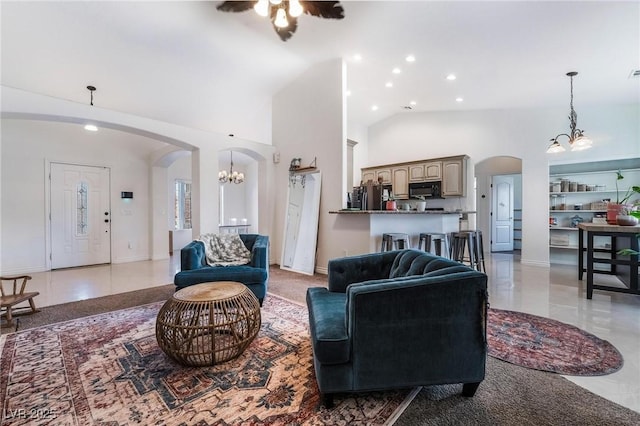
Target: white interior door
(80,215)
(502,214)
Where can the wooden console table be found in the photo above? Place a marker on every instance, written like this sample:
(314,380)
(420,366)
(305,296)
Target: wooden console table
(618,264)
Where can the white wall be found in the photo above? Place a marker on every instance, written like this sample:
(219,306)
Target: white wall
(48,116)
(180,169)
(522,133)
(27,149)
(309,122)
(359,134)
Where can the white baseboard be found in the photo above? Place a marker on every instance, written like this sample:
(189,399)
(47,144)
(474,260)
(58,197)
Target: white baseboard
(22,271)
(535,263)
(322,270)
(130,259)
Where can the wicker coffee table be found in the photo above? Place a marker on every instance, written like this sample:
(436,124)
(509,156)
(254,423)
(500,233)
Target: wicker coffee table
(209,323)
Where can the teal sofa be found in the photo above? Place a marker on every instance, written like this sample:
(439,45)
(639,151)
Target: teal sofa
(255,274)
(398,319)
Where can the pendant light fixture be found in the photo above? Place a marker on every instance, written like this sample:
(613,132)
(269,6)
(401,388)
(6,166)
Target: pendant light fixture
(91,127)
(230,176)
(577,140)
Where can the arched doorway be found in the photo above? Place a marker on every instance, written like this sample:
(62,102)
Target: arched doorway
(239,204)
(499,201)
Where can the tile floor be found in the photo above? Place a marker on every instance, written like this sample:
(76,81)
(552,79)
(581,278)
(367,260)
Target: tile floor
(555,293)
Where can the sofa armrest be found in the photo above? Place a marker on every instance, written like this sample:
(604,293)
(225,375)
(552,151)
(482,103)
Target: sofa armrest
(260,252)
(355,269)
(192,256)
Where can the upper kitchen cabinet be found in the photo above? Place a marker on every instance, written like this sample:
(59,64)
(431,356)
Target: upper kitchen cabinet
(424,172)
(384,175)
(376,173)
(454,175)
(400,182)
(452,171)
(368,175)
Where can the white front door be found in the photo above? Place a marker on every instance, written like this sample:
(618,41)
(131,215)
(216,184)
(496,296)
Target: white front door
(80,215)
(502,214)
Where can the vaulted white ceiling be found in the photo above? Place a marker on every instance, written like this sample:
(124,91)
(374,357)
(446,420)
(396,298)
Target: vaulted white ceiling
(189,64)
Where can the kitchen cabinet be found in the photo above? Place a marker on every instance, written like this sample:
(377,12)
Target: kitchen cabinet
(376,173)
(423,172)
(454,172)
(385,174)
(400,182)
(368,175)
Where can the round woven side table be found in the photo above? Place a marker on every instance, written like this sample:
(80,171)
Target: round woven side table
(209,323)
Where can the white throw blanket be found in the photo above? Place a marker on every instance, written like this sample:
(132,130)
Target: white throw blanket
(225,249)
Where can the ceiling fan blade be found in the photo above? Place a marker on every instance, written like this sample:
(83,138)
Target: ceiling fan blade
(235,6)
(323,9)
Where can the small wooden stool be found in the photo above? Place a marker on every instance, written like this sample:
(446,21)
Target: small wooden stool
(9,299)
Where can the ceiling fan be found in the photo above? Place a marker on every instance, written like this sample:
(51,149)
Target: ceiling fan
(284,14)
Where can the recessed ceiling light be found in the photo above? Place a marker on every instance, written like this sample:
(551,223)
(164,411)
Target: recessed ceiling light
(357,57)
(396,70)
(410,58)
(451,77)
(459,99)
(389,84)
(374,107)
(413,103)
(91,127)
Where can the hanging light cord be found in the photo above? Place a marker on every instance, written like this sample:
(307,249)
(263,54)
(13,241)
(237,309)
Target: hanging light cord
(91,90)
(573,117)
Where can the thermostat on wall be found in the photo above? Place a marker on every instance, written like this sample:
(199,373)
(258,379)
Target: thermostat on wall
(125,194)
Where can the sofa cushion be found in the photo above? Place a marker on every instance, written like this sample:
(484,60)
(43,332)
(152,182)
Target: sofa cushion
(331,344)
(416,262)
(243,273)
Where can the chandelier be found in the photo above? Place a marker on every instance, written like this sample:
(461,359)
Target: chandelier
(284,14)
(577,140)
(230,176)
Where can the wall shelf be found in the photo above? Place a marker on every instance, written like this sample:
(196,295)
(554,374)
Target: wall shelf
(578,211)
(594,174)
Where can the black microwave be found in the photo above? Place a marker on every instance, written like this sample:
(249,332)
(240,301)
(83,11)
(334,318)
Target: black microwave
(425,189)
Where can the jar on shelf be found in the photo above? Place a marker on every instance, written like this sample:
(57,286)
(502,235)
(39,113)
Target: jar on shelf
(562,202)
(564,185)
(555,186)
(554,202)
(582,187)
(573,186)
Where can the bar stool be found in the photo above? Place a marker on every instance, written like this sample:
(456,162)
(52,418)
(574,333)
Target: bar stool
(471,242)
(437,239)
(394,241)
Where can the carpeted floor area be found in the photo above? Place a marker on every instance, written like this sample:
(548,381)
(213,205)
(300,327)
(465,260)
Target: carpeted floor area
(509,395)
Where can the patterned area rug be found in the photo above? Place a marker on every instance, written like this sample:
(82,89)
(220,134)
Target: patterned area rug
(108,369)
(545,344)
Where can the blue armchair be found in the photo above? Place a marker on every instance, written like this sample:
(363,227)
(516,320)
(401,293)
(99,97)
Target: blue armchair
(255,275)
(398,319)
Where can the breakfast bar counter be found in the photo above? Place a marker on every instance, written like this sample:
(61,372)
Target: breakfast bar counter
(363,229)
